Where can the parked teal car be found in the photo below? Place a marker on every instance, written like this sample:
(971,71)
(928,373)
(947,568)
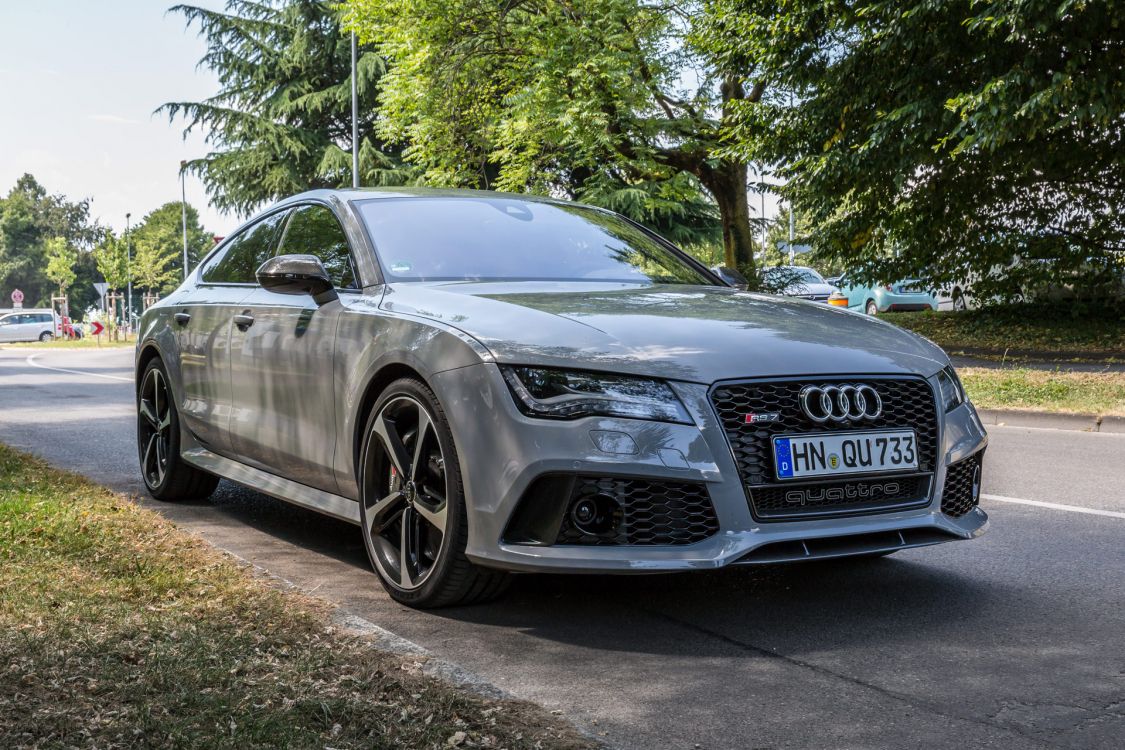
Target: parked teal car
(902,296)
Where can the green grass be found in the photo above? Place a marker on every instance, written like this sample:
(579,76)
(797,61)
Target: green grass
(119,630)
(1026,327)
(1096,393)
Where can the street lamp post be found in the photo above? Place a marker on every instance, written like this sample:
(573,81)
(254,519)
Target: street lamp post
(355,116)
(128,277)
(183,210)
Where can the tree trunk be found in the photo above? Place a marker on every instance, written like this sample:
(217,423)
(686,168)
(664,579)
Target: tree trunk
(727,184)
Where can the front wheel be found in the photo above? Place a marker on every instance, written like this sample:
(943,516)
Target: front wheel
(412,508)
(166,475)
(871,308)
(959,304)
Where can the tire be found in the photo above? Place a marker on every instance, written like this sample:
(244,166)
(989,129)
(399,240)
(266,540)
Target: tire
(165,474)
(45,337)
(413,518)
(959,304)
(871,308)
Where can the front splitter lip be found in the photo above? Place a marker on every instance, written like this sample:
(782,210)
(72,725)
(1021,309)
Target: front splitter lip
(723,549)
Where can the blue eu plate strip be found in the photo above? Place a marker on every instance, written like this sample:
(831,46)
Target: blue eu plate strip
(784,458)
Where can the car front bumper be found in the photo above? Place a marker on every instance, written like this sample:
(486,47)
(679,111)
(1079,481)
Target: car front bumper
(502,452)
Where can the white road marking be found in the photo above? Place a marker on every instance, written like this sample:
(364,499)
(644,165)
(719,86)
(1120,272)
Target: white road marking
(31,361)
(1055,506)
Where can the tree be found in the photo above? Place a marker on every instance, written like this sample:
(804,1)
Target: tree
(281,120)
(582,97)
(112,258)
(29,216)
(939,139)
(61,259)
(158,246)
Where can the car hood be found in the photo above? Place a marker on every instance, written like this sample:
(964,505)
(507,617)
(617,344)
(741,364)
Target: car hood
(692,333)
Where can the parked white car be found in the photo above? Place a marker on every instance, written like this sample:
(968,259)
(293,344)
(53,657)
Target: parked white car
(27,325)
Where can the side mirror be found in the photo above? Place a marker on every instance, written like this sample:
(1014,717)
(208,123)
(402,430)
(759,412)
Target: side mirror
(297,274)
(731,276)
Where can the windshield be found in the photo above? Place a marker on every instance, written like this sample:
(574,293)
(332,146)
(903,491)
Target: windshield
(498,239)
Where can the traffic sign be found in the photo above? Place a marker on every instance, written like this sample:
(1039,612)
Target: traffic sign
(101,288)
(97,328)
(17,299)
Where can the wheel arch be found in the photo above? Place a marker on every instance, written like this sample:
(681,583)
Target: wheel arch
(149,351)
(382,377)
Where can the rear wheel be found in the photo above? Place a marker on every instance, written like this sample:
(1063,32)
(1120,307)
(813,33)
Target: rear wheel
(45,337)
(412,508)
(166,475)
(871,308)
(959,301)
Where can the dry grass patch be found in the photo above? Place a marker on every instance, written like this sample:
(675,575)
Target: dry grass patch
(119,630)
(1098,393)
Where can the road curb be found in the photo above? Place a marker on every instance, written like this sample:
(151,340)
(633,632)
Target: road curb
(386,640)
(1052,420)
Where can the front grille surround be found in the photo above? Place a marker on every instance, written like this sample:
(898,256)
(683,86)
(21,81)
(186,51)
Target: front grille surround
(908,401)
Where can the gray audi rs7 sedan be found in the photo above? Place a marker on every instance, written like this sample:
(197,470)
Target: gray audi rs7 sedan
(487,383)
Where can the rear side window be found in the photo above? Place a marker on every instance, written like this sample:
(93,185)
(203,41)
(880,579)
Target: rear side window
(43,318)
(246,251)
(313,230)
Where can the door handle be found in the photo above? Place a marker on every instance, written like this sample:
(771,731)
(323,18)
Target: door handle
(244,321)
(182,318)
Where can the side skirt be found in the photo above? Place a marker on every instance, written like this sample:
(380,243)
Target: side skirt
(274,486)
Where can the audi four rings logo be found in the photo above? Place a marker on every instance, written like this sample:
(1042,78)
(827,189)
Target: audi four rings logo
(840,403)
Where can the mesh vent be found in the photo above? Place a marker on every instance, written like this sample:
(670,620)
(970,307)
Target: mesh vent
(651,512)
(907,402)
(962,487)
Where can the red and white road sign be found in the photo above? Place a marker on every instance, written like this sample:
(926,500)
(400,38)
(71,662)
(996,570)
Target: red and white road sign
(17,298)
(96,328)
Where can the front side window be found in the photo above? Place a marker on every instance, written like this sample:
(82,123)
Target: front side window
(246,251)
(501,239)
(313,230)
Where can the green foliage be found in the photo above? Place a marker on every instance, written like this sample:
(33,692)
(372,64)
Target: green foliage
(112,259)
(604,100)
(158,246)
(61,259)
(939,139)
(29,216)
(281,120)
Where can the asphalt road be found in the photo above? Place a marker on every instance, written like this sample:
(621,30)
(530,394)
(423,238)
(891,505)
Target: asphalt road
(1015,640)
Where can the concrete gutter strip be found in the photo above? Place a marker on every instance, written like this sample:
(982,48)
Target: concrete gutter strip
(1052,420)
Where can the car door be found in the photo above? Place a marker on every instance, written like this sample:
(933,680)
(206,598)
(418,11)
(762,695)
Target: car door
(203,323)
(282,361)
(8,328)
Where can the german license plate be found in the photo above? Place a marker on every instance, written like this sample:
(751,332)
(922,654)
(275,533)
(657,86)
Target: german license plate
(842,453)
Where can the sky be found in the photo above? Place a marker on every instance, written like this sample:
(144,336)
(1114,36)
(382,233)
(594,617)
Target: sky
(79,81)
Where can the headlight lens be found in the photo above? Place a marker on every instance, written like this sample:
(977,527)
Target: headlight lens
(570,394)
(950,389)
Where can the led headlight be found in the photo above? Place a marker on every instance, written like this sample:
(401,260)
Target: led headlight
(949,389)
(570,394)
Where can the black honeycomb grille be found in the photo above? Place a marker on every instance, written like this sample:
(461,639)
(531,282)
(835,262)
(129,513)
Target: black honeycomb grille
(651,512)
(962,487)
(907,402)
